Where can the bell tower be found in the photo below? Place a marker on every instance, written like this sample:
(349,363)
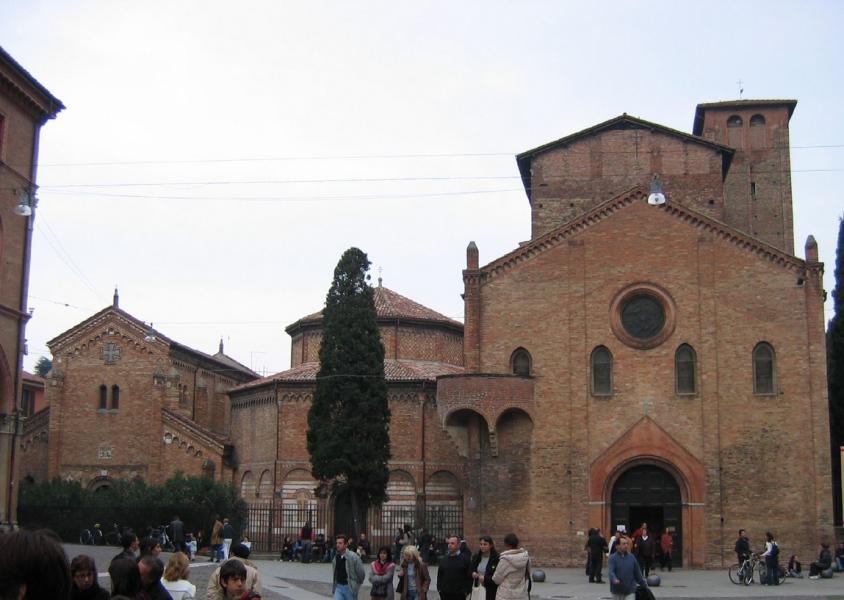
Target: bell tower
(757,186)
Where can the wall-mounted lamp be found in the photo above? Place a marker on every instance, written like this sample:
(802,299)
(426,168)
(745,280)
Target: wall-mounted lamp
(656,196)
(150,336)
(26,202)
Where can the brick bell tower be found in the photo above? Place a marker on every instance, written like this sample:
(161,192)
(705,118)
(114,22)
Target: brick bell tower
(757,187)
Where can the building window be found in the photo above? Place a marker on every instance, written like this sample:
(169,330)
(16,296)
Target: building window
(103,397)
(757,121)
(601,362)
(734,137)
(684,369)
(520,362)
(27,402)
(763,369)
(115,397)
(758,132)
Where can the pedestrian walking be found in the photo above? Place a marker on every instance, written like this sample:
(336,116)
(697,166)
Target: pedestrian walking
(414,579)
(177,531)
(348,571)
(623,571)
(216,539)
(645,547)
(228,534)
(484,564)
(382,571)
(596,546)
(513,572)
(666,547)
(454,573)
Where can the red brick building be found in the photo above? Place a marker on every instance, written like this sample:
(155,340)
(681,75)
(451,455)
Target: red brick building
(155,406)
(25,105)
(633,362)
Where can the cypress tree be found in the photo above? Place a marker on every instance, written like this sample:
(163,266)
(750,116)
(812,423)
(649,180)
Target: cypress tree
(835,372)
(348,422)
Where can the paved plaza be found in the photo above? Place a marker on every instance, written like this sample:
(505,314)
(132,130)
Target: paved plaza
(296,581)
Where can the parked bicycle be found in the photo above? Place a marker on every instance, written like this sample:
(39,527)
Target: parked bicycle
(94,535)
(752,568)
(112,538)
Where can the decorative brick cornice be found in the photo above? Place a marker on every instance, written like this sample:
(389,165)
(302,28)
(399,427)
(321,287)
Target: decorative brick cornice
(604,210)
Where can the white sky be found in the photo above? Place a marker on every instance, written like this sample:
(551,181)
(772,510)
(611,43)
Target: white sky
(193,99)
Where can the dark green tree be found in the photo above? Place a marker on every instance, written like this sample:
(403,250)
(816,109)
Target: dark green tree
(835,372)
(43,366)
(349,419)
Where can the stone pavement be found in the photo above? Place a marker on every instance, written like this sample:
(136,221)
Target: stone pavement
(296,581)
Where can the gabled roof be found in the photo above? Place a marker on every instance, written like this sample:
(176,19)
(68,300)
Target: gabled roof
(48,105)
(564,232)
(219,359)
(623,121)
(395,371)
(697,128)
(389,306)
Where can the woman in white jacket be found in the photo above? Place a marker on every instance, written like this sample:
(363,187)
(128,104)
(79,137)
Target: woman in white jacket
(513,572)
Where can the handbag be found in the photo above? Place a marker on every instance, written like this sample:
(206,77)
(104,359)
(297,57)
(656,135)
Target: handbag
(400,586)
(477,592)
(379,589)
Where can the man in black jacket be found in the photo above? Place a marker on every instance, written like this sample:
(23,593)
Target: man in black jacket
(596,545)
(742,547)
(454,575)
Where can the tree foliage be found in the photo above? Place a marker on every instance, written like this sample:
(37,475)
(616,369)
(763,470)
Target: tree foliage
(66,507)
(835,369)
(43,366)
(348,422)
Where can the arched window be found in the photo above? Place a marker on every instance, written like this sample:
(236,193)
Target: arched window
(763,369)
(734,131)
(115,397)
(757,132)
(103,397)
(601,362)
(520,362)
(684,369)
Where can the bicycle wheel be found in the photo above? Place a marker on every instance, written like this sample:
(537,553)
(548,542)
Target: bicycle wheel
(762,572)
(736,574)
(97,537)
(85,537)
(113,538)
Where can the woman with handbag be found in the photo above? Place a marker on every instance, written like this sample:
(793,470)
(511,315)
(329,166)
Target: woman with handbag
(381,575)
(414,579)
(483,568)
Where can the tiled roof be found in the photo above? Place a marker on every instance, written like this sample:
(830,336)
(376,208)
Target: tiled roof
(52,105)
(394,371)
(391,305)
(27,376)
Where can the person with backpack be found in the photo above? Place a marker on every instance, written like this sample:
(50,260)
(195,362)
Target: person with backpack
(771,556)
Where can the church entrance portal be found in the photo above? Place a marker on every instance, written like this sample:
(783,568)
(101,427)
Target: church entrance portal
(649,494)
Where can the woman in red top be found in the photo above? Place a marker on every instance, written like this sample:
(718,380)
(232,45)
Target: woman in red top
(666,545)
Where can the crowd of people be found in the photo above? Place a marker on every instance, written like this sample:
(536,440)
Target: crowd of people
(34,566)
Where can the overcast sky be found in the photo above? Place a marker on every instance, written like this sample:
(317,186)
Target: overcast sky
(216,158)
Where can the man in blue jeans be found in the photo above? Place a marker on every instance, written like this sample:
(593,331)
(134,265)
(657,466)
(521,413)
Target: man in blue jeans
(348,572)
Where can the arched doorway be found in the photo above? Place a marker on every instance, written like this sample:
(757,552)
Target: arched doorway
(649,494)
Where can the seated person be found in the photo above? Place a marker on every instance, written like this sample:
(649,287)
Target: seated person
(839,556)
(287,548)
(823,563)
(795,569)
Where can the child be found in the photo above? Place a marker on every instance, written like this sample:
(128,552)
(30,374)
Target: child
(233,582)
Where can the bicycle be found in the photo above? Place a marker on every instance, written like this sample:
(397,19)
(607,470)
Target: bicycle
(112,538)
(94,535)
(160,534)
(743,573)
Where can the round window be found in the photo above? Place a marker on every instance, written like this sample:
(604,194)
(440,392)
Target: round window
(642,317)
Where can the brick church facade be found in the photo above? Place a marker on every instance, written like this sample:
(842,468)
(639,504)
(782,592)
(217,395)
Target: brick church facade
(632,362)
